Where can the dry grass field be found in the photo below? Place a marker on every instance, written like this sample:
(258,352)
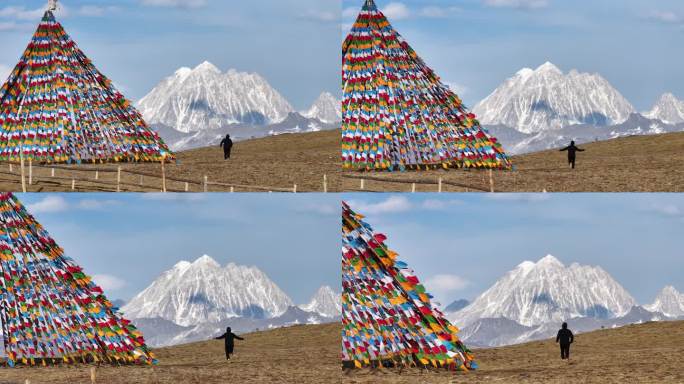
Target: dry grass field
(301,355)
(646,353)
(274,162)
(631,164)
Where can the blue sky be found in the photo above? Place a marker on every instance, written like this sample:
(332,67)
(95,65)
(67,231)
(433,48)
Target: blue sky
(128,240)
(460,245)
(294,44)
(476,44)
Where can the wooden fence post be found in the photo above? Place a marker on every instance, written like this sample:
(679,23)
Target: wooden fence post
(325,183)
(23,180)
(30,171)
(93,377)
(118,179)
(363,184)
(163,176)
(232,189)
(206,182)
(491,180)
(11,170)
(97,175)
(413,188)
(294,190)
(73,183)
(187,187)
(439,188)
(52,172)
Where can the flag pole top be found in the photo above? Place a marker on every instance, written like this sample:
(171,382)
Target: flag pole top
(52,5)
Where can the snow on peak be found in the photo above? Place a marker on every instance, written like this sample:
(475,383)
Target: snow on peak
(325,302)
(669,109)
(183,72)
(206,260)
(545,99)
(206,99)
(548,291)
(548,67)
(550,260)
(669,302)
(207,67)
(327,108)
(182,265)
(203,292)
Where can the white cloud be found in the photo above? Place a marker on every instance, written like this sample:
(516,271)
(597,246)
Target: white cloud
(400,203)
(56,203)
(175,3)
(109,282)
(351,12)
(400,11)
(4,72)
(393,204)
(49,204)
(173,196)
(95,204)
(321,209)
(445,283)
(396,11)
(438,205)
(436,12)
(518,4)
(667,17)
(321,16)
(21,13)
(456,88)
(667,210)
(524,197)
(96,10)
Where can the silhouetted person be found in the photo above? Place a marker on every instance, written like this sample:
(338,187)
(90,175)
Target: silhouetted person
(229,339)
(565,338)
(572,153)
(227,145)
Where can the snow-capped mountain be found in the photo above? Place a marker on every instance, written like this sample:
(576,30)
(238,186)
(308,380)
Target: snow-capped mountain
(517,142)
(544,109)
(205,98)
(456,305)
(670,302)
(547,99)
(668,109)
(325,302)
(531,301)
(548,291)
(197,107)
(204,292)
(327,108)
(161,333)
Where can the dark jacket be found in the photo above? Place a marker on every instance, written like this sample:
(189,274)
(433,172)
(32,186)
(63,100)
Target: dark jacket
(229,339)
(572,150)
(227,143)
(565,337)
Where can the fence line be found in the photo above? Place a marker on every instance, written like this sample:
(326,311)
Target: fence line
(119,171)
(439,183)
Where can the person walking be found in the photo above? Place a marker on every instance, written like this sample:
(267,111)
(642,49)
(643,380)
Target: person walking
(229,339)
(565,338)
(572,153)
(227,144)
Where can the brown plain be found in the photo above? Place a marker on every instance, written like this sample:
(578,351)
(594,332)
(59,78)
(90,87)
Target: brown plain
(646,353)
(632,164)
(300,354)
(277,162)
